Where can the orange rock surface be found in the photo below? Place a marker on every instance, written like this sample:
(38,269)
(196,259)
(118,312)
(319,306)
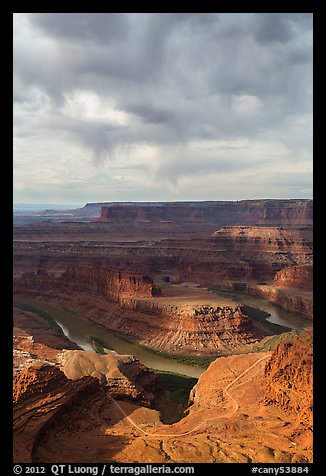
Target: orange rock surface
(227,421)
(289,378)
(298,277)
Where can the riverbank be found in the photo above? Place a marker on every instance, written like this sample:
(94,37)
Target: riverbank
(96,338)
(85,333)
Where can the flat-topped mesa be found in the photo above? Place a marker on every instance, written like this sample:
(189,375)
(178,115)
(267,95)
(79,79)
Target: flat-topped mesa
(246,212)
(203,328)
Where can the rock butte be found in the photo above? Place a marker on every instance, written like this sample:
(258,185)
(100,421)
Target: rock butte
(142,270)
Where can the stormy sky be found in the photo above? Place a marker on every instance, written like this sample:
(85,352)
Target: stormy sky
(162,106)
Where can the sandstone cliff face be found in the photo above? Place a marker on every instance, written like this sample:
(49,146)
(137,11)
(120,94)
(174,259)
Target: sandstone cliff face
(289,378)
(97,280)
(48,404)
(36,380)
(49,397)
(222,327)
(109,282)
(298,277)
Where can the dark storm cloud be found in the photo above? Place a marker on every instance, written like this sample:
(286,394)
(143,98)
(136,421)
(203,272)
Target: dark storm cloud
(280,27)
(82,27)
(150,114)
(274,27)
(178,78)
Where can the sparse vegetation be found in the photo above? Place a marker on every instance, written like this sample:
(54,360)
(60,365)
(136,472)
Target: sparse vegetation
(181,359)
(27,307)
(173,403)
(269,343)
(99,345)
(266,344)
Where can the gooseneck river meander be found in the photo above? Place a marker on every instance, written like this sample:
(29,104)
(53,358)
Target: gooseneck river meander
(82,332)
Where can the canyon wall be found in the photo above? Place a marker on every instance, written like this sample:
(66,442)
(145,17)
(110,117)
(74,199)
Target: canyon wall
(50,397)
(109,282)
(242,258)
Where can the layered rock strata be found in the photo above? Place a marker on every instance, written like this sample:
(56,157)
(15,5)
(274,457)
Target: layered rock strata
(96,280)
(294,240)
(246,254)
(59,420)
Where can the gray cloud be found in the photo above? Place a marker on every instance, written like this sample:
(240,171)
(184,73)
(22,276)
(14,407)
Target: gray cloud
(83,27)
(166,81)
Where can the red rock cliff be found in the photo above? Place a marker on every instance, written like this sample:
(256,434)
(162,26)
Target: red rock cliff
(97,280)
(42,397)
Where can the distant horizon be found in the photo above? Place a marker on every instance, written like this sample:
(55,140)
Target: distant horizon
(45,206)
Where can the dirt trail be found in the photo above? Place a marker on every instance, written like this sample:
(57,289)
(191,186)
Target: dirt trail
(226,390)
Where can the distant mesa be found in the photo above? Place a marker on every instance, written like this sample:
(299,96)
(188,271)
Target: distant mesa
(246,212)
